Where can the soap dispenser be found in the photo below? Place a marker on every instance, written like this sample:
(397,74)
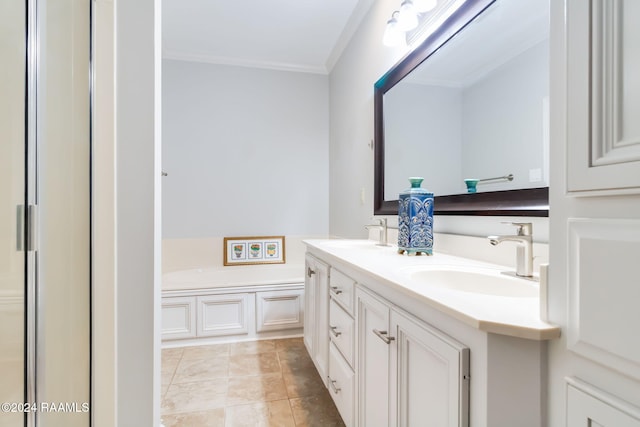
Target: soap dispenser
(415,220)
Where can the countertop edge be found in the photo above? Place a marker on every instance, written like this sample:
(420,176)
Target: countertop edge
(545,332)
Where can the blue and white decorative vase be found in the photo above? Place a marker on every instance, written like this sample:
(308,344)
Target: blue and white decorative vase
(415,220)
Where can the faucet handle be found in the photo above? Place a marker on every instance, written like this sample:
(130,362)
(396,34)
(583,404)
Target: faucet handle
(524,228)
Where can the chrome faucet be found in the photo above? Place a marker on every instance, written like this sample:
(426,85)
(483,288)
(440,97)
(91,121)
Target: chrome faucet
(382,225)
(524,254)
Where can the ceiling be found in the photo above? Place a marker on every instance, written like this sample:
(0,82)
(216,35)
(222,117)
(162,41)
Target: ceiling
(504,30)
(297,35)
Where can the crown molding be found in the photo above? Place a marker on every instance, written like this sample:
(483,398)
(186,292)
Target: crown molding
(242,62)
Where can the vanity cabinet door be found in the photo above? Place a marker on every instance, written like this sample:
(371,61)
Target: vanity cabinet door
(603,97)
(408,373)
(372,365)
(588,406)
(316,319)
(429,376)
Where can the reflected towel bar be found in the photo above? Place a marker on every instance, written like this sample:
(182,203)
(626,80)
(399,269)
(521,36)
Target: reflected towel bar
(499,178)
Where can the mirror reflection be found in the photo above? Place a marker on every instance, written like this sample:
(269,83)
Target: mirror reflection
(475,109)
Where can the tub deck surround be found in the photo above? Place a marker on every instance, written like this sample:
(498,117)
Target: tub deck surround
(232,276)
(381,268)
(233,303)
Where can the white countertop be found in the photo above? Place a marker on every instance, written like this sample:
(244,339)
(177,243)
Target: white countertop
(505,315)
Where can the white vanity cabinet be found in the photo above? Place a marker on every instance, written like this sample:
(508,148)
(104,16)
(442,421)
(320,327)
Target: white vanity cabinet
(397,356)
(316,320)
(409,374)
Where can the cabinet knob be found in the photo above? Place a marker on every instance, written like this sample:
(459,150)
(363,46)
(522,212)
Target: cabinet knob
(336,290)
(310,272)
(335,332)
(383,336)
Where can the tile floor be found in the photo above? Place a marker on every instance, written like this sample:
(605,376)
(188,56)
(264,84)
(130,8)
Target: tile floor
(258,383)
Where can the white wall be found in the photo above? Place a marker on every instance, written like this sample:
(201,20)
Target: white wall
(246,151)
(351,81)
(362,63)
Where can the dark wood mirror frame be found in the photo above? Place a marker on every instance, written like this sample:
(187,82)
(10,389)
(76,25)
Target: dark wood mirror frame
(525,202)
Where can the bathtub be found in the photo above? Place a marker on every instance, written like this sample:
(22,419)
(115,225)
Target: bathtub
(235,303)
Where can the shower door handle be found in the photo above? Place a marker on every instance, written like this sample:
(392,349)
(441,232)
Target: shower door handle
(26,234)
(20,228)
(26,228)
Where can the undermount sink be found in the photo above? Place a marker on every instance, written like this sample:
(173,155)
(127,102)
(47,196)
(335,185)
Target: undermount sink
(485,282)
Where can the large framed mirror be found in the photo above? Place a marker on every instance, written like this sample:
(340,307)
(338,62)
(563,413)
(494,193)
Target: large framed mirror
(470,103)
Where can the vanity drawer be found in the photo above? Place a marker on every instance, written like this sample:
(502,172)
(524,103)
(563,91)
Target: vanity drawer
(342,288)
(341,330)
(341,383)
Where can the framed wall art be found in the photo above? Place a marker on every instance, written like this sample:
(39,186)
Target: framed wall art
(254,250)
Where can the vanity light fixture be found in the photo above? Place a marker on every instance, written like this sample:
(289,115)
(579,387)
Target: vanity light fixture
(408,17)
(393,36)
(404,20)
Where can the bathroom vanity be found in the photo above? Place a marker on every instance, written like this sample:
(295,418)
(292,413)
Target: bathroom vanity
(437,341)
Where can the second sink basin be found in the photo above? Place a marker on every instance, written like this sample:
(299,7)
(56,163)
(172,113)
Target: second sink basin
(487,282)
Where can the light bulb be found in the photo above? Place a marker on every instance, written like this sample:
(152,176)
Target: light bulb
(422,6)
(407,18)
(392,35)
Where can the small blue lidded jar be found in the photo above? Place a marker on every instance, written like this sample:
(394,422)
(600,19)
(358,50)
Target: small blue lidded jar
(415,220)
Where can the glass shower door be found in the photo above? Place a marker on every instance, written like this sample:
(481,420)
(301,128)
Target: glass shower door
(63,278)
(12,200)
(45,239)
